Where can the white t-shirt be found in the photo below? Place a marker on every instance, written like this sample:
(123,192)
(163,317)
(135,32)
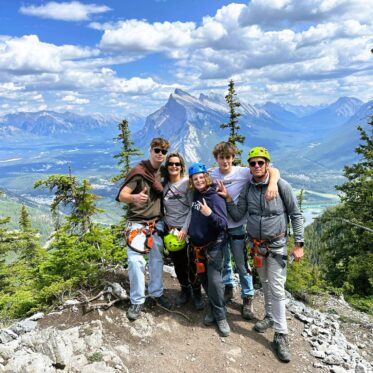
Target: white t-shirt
(234,182)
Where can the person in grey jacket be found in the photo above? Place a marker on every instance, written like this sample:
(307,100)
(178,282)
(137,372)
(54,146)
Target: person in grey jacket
(266,228)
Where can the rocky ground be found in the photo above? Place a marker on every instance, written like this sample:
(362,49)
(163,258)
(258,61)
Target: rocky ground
(69,340)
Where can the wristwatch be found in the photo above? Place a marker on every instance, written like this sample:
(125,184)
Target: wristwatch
(299,244)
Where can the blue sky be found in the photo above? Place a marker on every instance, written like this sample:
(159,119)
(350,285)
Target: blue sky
(126,57)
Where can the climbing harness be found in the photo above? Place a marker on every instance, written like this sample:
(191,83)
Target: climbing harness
(141,239)
(260,249)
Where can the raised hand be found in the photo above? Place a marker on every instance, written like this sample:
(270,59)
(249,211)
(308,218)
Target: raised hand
(141,197)
(222,191)
(205,210)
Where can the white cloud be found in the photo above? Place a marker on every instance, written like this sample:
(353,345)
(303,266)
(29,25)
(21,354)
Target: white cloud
(74,99)
(28,55)
(65,11)
(285,13)
(141,36)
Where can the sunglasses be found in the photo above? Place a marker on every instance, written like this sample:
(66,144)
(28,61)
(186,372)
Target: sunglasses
(176,164)
(159,150)
(254,163)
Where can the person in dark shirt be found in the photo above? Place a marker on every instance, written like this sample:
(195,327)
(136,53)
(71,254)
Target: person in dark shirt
(142,191)
(207,234)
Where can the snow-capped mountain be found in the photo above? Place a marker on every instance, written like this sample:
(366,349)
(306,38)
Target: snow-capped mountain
(192,125)
(53,124)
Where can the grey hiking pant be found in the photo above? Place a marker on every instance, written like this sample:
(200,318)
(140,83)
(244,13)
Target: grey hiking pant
(273,277)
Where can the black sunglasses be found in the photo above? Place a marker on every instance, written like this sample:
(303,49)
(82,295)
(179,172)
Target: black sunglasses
(159,150)
(254,163)
(176,164)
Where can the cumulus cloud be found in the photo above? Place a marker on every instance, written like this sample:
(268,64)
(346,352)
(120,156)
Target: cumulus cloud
(75,99)
(285,13)
(27,55)
(65,11)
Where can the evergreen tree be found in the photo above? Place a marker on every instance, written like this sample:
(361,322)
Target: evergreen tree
(233,104)
(124,162)
(127,151)
(18,253)
(348,231)
(24,221)
(70,193)
(80,249)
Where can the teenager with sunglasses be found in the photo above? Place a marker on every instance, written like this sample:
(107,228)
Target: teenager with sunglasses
(266,227)
(142,191)
(234,179)
(177,201)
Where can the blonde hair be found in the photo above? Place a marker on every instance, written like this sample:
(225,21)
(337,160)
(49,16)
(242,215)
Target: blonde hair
(208,180)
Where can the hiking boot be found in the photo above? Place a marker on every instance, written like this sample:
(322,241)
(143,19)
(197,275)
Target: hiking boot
(184,295)
(163,301)
(209,318)
(263,325)
(228,293)
(281,346)
(247,308)
(199,303)
(224,328)
(134,311)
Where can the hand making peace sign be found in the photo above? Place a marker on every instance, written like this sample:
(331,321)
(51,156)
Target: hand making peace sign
(205,210)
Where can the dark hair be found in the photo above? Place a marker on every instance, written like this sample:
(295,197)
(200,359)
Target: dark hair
(165,170)
(224,148)
(208,179)
(159,142)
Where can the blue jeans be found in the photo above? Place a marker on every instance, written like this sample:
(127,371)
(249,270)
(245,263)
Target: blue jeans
(238,250)
(136,268)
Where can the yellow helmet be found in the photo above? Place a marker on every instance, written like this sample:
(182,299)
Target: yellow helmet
(171,243)
(259,151)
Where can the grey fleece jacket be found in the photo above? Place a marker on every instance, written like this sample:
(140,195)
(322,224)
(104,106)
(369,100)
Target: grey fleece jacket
(266,220)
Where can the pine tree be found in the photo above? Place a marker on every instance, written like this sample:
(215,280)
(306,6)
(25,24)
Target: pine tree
(126,152)
(348,228)
(124,162)
(70,193)
(233,104)
(25,221)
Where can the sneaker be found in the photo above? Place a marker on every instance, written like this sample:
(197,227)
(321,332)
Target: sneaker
(228,293)
(199,303)
(134,311)
(184,295)
(263,325)
(209,318)
(247,308)
(163,301)
(224,328)
(281,346)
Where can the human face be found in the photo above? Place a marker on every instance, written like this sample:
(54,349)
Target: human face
(174,168)
(199,181)
(156,156)
(225,163)
(259,172)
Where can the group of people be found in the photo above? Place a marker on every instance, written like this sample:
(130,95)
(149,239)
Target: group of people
(203,219)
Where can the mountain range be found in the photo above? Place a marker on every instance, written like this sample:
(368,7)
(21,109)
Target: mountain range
(192,125)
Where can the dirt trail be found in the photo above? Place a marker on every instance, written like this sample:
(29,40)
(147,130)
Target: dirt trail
(160,341)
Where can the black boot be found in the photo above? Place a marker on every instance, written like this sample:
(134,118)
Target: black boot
(281,345)
(184,295)
(198,301)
